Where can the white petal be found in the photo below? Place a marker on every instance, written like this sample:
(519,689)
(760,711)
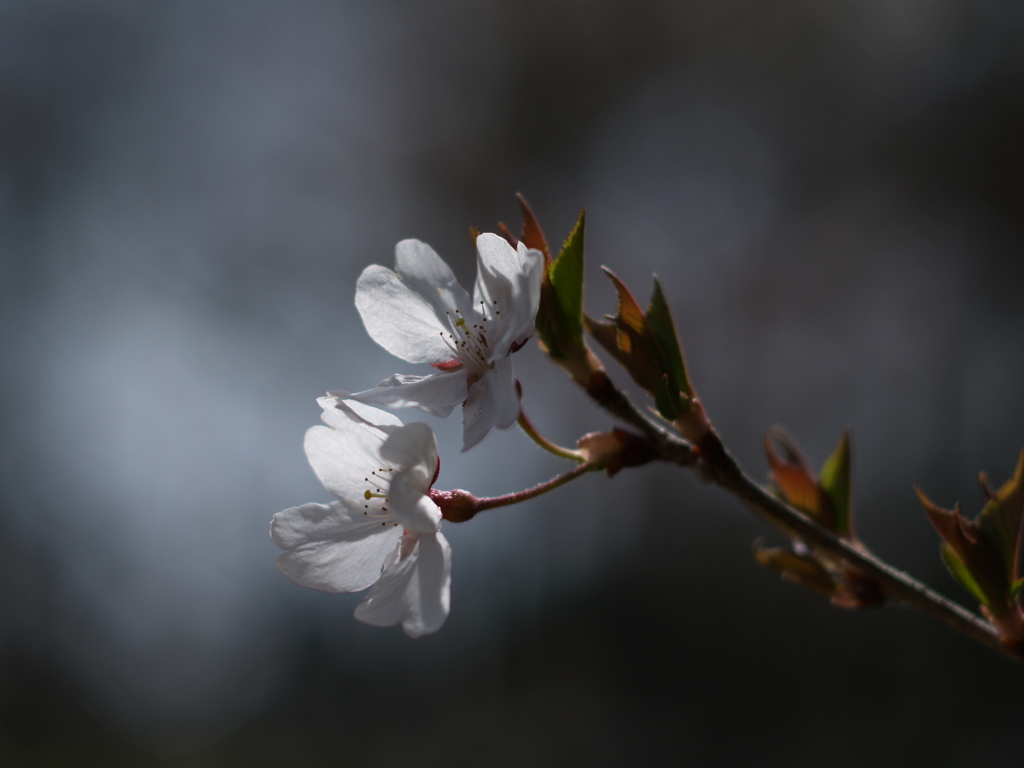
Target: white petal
(414,449)
(336,412)
(411,446)
(353,416)
(425,272)
(398,319)
(331,547)
(498,264)
(410,505)
(342,458)
(414,590)
(492,402)
(519,320)
(533,272)
(365,437)
(503,390)
(436,393)
(512,277)
(406,311)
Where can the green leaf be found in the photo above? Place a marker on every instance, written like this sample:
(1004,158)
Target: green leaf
(659,316)
(566,276)
(1000,521)
(667,400)
(835,480)
(800,569)
(977,557)
(1015,588)
(960,572)
(793,476)
(629,339)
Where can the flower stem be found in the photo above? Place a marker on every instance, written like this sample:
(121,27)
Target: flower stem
(543,442)
(537,490)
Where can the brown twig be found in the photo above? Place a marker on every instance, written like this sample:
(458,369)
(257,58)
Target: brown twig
(720,468)
(604,392)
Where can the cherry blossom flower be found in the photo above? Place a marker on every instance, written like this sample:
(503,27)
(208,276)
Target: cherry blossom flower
(383,531)
(420,313)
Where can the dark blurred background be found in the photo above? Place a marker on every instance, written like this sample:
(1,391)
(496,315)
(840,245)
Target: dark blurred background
(832,194)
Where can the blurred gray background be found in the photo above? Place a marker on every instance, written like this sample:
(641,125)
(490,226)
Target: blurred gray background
(833,196)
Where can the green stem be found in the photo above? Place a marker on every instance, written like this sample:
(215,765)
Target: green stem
(543,442)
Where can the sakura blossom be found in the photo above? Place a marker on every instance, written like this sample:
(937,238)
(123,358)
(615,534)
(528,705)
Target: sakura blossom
(383,531)
(420,313)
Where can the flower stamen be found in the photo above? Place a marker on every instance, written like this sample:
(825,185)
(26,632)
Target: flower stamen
(469,344)
(376,479)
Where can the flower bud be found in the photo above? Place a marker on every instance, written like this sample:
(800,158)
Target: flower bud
(600,448)
(456,506)
(615,450)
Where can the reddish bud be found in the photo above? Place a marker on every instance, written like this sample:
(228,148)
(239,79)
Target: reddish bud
(456,506)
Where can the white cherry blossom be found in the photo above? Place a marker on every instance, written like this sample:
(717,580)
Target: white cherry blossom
(383,531)
(420,313)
